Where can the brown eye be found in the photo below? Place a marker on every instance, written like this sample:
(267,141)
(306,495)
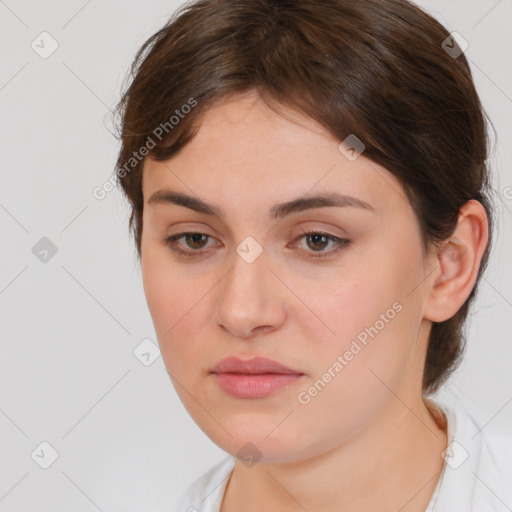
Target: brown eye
(196,240)
(319,241)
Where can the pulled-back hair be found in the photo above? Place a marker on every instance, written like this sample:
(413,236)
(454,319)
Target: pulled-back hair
(381,70)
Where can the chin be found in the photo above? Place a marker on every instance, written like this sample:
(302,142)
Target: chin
(254,445)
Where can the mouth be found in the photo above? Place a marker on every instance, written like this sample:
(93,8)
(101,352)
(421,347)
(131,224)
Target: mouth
(254,378)
(253,366)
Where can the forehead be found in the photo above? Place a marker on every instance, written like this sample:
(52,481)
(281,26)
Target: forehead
(246,153)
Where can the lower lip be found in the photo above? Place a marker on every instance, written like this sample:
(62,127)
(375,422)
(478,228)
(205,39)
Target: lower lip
(254,386)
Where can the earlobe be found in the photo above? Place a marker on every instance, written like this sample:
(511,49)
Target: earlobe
(459,260)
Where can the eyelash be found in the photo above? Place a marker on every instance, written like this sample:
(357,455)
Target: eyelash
(341,243)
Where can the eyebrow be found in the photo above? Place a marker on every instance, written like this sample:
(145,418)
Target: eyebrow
(278,211)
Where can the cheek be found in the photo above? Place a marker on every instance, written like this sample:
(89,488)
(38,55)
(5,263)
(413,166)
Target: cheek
(353,369)
(180,310)
(345,307)
(365,316)
(166,296)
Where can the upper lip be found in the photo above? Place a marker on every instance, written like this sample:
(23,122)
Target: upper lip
(254,366)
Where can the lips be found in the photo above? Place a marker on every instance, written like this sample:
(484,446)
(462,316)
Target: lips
(258,377)
(254,366)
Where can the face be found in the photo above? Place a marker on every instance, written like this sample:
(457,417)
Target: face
(341,305)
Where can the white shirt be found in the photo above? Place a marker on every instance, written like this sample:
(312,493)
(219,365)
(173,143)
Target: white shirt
(476,476)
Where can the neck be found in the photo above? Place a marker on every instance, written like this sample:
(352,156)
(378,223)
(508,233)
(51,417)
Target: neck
(392,465)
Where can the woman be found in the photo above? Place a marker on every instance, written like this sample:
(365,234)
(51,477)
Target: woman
(310,206)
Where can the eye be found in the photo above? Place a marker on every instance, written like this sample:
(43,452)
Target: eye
(197,241)
(319,240)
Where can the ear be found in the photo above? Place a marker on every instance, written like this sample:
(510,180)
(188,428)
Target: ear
(458,260)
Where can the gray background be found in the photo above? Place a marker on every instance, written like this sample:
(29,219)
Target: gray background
(68,373)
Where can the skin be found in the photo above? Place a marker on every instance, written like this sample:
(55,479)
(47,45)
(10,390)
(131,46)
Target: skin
(367,441)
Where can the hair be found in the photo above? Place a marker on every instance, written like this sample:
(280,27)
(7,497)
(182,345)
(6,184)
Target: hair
(376,69)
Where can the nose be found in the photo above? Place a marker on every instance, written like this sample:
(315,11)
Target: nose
(251,299)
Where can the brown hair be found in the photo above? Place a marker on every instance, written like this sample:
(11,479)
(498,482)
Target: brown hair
(374,68)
